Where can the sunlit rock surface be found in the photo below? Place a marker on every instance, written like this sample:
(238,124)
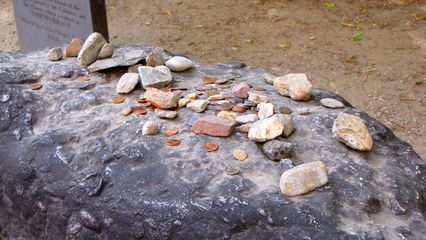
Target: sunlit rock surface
(72,166)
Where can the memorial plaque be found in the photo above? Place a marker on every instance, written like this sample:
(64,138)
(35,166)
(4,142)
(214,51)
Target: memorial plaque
(49,23)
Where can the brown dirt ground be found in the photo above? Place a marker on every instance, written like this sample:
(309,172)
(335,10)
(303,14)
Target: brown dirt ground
(384,74)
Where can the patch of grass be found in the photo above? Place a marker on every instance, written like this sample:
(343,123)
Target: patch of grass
(418,83)
(250,41)
(329,5)
(358,36)
(285,45)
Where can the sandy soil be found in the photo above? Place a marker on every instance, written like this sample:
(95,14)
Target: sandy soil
(384,73)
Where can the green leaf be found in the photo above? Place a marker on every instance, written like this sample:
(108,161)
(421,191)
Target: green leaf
(419,82)
(284,45)
(329,5)
(358,36)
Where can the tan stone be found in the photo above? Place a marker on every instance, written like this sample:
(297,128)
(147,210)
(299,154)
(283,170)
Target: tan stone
(257,98)
(303,178)
(160,99)
(198,105)
(183,102)
(227,115)
(91,48)
(73,48)
(161,113)
(269,78)
(266,129)
(55,54)
(127,82)
(265,110)
(295,86)
(192,96)
(352,131)
(106,51)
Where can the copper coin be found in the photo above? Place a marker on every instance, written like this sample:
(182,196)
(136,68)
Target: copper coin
(171,132)
(147,104)
(240,155)
(227,106)
(139,110)
(118,99)
(211,147)
(202,89)
(140,100)
(209,79)
(232,171)
(224,86)
(239,108)
(211,92)
(222,81)
(36,86)
(173,142)
(285,110)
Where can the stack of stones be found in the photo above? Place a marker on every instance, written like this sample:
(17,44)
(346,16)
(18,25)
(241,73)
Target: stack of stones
(244,109)
(94,48)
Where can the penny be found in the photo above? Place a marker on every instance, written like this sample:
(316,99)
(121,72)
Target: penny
(240,155)
(140,100)
(118,99)
(209,79)
(173,142)
(285,110)
(232,171)
(211,92)
(239,108)
(227,106)
(139,110)
(222,81)
(211,147)
(171,132)
(36,86)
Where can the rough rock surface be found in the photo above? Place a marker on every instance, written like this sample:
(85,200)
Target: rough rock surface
(71,166)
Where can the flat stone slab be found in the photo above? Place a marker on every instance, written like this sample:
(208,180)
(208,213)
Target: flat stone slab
(123,60)
(72,166)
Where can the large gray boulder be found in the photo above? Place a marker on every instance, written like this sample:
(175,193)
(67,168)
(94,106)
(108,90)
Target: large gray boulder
(73,167)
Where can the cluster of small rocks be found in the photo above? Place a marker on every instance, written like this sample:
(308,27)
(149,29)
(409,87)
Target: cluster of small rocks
(94,48)
(216,153)
(264,124)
